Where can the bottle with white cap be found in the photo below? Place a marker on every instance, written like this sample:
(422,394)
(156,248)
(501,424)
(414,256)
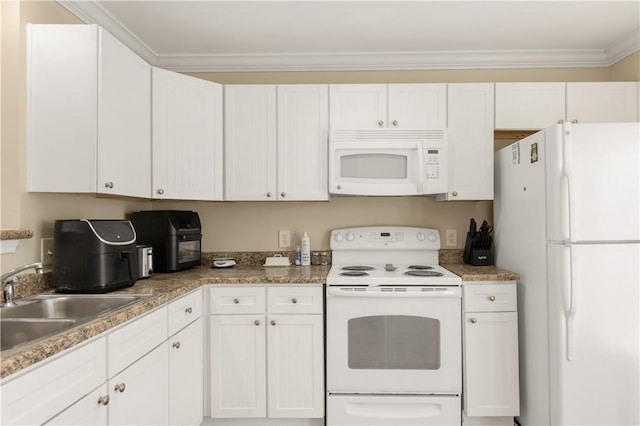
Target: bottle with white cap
(305,248)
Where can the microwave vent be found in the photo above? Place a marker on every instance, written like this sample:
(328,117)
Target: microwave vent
(386,134)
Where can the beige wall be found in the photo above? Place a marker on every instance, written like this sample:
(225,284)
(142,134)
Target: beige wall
(627,69)
(234,226)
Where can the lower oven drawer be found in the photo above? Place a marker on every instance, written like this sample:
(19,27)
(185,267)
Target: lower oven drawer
(388,410)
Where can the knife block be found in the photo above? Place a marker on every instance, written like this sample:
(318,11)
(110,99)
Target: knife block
(476,256)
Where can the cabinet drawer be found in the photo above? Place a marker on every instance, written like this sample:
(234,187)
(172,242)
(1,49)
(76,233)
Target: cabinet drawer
(489,297)
(47,390)
(132,341)
(237,300)
(184,311)
(294,300)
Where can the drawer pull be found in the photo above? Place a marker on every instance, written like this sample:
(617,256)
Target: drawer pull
(189,310)
(294,300)
(257,322)
(492,298)
(103,400)
(273,322)
(473,320)
(176,345)
(236,301)
(120,387)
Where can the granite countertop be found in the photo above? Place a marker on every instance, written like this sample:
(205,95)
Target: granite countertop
(164,288)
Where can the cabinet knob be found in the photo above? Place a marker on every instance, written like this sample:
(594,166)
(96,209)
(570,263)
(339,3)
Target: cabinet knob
(236,301)
(160,191)
(339,186)
(189,310)
(395,123)
(273,322)
(561,121)
(108,185)
(492,298)
(103,400)
(176,345)
(294,300)
(574,121)
(454,193)
(120,387)
(283,194)
(473,320)
(268,195)
(380,123)
(257,322)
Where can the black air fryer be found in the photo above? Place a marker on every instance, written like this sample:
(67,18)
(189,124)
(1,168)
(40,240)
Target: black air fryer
(93,256)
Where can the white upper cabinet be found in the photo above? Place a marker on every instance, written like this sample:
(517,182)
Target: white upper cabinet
(374,106)
(276,142)
(533,106)
(88,113)
(187,137)
(250,142)
(603,102)
(303,133)
(470,142)
(529,106)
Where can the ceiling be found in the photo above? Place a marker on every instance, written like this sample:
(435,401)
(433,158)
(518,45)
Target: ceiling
(369,35)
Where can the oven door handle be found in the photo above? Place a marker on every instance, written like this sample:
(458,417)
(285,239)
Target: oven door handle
(376,292)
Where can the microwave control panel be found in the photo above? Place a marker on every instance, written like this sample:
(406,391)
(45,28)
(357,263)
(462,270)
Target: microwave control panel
(435,167)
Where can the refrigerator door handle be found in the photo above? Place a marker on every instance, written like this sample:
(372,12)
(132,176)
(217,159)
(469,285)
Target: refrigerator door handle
(573,304)
(567,178)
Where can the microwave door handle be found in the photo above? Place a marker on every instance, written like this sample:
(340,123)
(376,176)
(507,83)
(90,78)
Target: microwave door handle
(421,179)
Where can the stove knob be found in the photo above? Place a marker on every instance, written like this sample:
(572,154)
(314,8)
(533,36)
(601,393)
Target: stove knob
(421,236)
(337,237)
(350,236)
(433,237)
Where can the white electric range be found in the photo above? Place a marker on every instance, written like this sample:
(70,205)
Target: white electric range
(394,354)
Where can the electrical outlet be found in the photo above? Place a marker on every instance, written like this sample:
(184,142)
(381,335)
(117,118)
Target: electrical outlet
(284,239)
(451,239)
(46,251)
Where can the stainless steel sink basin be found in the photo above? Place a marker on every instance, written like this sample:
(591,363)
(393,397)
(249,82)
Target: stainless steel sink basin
(43,316)
(14,332)
(68,306)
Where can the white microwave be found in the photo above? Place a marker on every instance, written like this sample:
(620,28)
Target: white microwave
(388,162)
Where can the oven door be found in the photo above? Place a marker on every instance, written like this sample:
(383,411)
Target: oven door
(394,340)
(375,167)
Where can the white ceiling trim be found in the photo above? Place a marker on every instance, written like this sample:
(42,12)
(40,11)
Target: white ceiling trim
(93,13)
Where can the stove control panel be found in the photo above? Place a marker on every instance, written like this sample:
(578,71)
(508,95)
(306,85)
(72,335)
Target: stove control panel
(385,237)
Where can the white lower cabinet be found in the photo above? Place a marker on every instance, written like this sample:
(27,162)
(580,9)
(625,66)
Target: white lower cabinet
(266,362)
(491,385)
(90,410)
(185,375)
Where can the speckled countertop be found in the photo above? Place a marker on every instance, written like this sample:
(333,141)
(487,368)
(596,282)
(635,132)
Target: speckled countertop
(163,288)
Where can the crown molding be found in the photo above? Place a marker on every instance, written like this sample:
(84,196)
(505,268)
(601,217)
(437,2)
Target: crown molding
(92,12)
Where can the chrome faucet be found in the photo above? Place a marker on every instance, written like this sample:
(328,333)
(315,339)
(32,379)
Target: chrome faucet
(10,279)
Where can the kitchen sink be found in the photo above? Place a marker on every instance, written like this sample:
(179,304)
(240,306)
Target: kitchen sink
(14,332)
(38,317)
(68,306)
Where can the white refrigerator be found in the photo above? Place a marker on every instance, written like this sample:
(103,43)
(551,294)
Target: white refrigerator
(567,219)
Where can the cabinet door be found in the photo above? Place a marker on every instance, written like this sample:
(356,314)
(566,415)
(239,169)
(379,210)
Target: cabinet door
(238,366)
(529,106)
(139,395)
(187,137)
(357,106)
(491,385)
(185,376)
(124,120)
(303,126)
(90,410)
(295,369)
(602,102)
(250,142)
(62,107)
(417,106)
(470,142)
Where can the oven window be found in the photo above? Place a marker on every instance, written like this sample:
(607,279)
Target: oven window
(188,251)
(394,342)
(373,166)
